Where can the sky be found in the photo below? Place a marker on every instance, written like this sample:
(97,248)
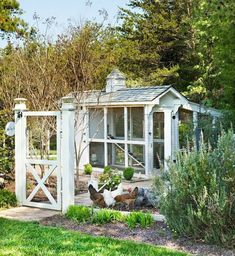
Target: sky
(64,10)
(67,11)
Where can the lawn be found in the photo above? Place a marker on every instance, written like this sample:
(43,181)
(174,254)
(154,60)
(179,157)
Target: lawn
(28,238)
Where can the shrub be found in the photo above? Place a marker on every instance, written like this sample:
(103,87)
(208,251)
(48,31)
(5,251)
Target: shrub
(141,219)
(107,170)
(128,173)
(111,178)
(6,144)
(7,199)
(106,216)
(88,169)
(79,213)
(197,193)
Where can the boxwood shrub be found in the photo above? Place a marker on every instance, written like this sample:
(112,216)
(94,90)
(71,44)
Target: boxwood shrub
(128,173)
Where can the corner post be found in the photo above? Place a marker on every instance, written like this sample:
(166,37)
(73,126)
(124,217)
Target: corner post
(195,120)
(68,151)
(167,135)
(175,131)
(126,136)
(20,148)
(148,139)
(105,136)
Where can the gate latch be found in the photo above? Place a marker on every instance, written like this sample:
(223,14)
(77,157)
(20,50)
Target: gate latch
(19,114)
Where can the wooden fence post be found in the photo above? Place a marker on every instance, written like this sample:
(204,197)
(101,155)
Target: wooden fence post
(20,147)
(67,151)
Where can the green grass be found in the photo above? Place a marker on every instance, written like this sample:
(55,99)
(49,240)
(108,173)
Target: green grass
(28,238)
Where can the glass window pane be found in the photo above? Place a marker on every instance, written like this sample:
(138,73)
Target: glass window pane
(185,116)
(97,154)
(136,123)
(115,122)
(158,154)
(116,154)
(186,132)
(136,156)
(158,125)
(96,123)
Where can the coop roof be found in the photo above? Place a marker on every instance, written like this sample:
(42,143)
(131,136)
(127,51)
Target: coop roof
(125,95)
(138,96)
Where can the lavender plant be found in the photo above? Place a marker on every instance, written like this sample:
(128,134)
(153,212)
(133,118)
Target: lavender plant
(197,193)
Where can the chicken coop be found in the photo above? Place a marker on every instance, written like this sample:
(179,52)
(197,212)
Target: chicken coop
(138,127)
(117,127)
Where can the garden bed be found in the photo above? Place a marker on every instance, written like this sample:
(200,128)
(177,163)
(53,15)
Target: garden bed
(158,234)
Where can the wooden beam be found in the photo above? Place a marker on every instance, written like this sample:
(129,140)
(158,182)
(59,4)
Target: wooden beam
(126,135)
(167,135)
(105,136)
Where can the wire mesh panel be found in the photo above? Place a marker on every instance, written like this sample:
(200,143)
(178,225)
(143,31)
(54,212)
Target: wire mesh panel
(42,160)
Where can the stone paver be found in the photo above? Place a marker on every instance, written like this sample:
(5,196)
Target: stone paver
(136,183)
(83,199)
(27,213)
(36,214)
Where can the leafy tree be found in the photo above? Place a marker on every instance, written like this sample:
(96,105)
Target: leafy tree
(91,52)
(156,38)
(213,24)
(10,22)
(43,72)
(79,60)
(189,44)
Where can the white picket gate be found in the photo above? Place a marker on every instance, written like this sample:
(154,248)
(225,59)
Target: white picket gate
(34,173)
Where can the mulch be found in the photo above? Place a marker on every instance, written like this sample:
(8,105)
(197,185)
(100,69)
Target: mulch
(158,234)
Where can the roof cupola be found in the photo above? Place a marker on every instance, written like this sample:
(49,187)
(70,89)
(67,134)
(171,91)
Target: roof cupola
(115,81)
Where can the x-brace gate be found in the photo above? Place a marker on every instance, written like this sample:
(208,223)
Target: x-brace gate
(42,180)
(52,167)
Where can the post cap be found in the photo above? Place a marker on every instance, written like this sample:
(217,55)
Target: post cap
(20,100)
(20,104)
(68,99)
(68,102)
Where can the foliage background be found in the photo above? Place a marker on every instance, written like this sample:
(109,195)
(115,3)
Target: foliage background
(7,146)
(185,43)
